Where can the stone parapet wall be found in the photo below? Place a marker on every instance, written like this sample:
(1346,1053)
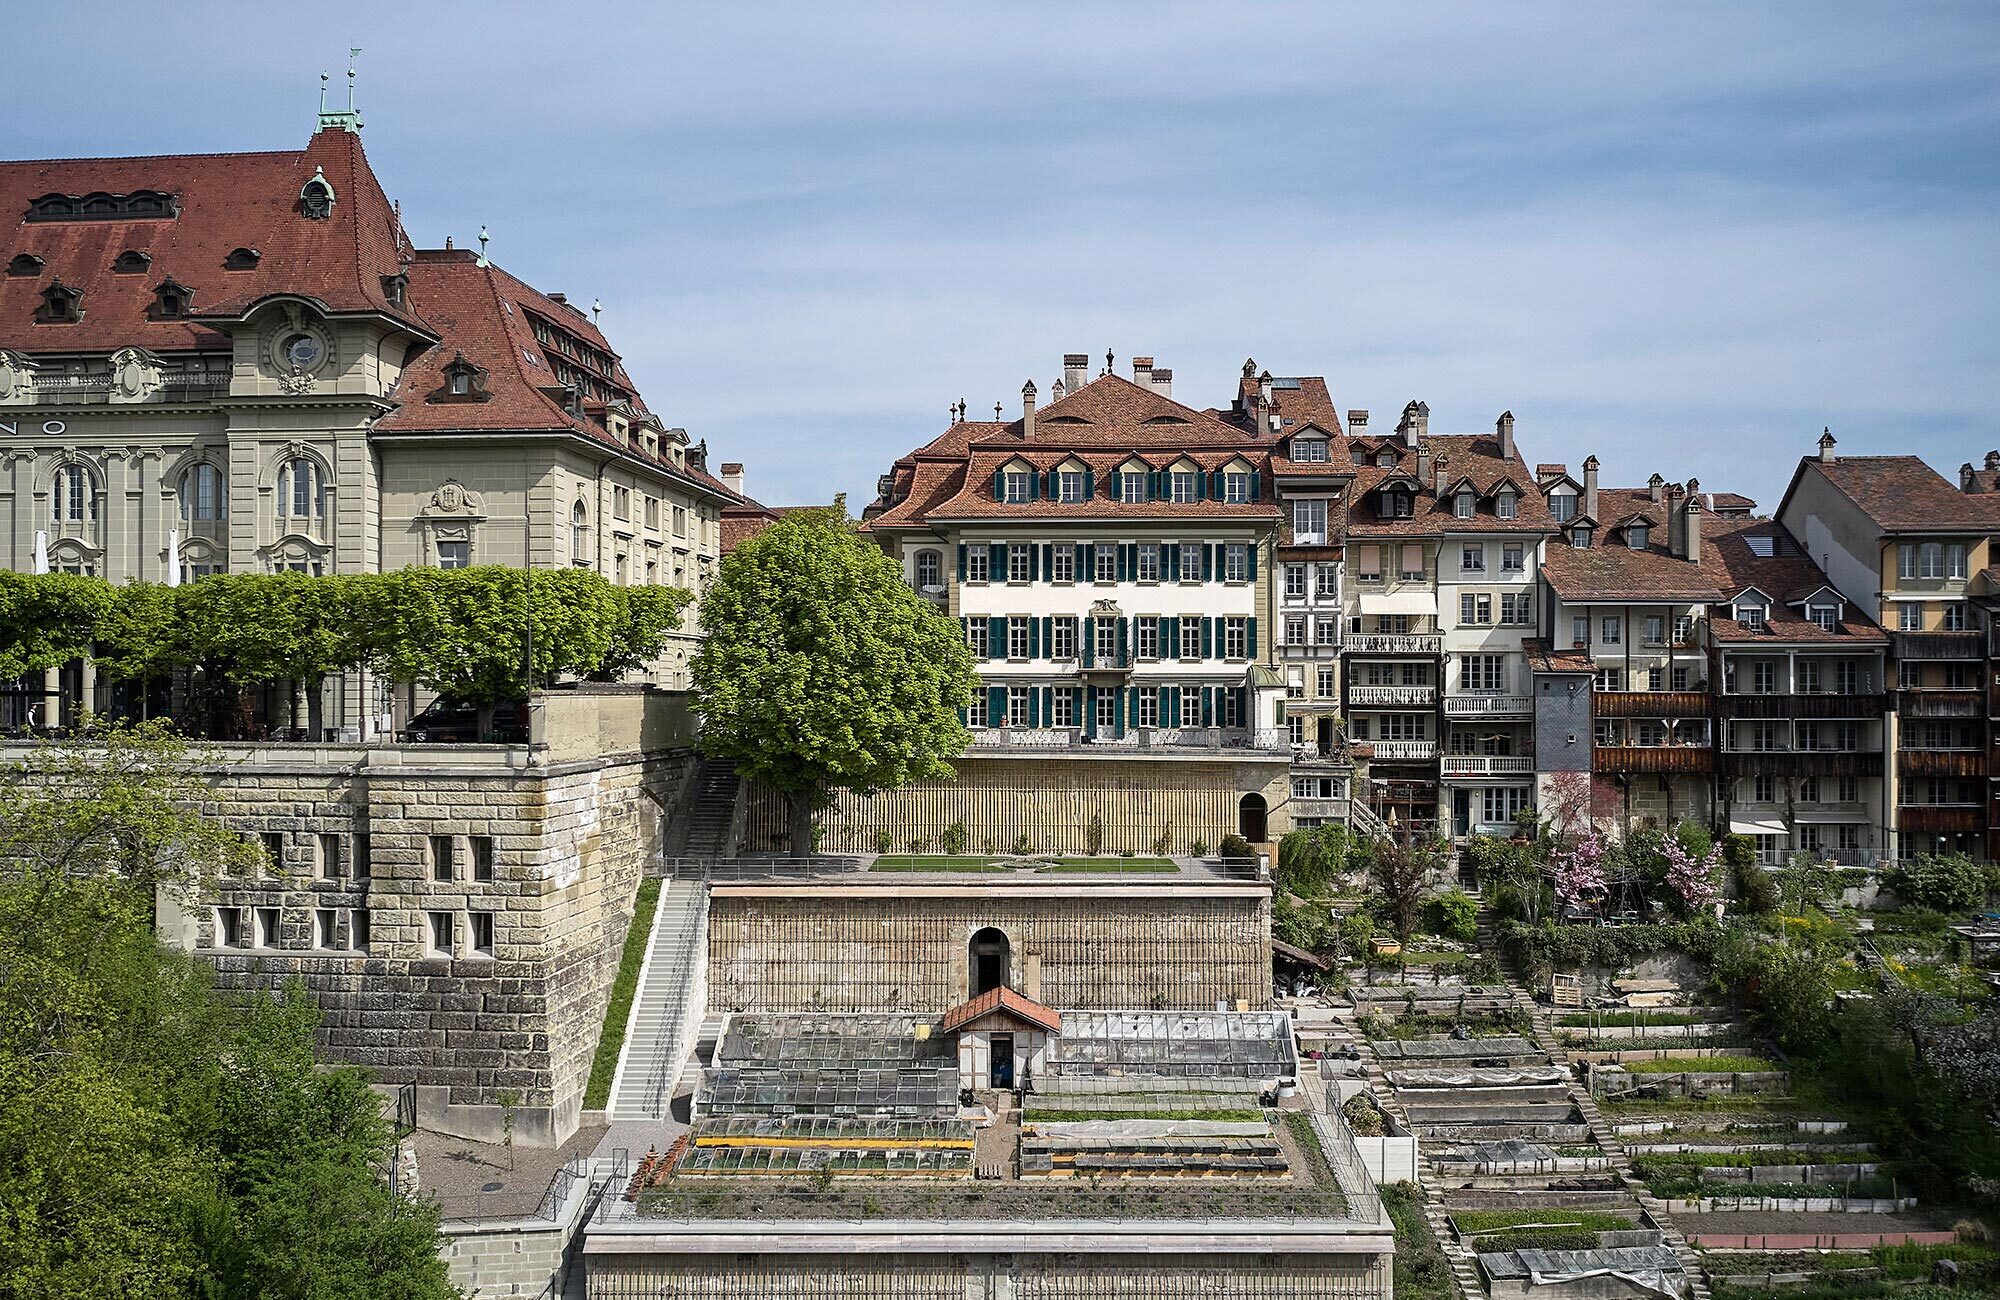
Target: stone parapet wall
(1145,806)
(905,949)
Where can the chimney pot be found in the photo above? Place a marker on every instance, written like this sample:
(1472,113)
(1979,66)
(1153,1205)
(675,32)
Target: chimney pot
(1163,382)
(1357,423)
(1028,409)
(1504,427)
(1076,370)
(1993,460)
(1967,480)
(1249,367)
(1590,487)
(732,477)
(1826,445)
(1656,488)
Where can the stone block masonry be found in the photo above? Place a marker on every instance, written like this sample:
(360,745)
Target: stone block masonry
(455,911)
(905,947)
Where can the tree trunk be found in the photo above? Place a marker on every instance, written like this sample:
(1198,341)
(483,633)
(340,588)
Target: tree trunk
(799,806)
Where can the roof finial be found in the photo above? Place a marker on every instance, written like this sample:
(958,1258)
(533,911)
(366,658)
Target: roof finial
(483,237)
(596,309)
(1107,360)
(348,119)
(996,412)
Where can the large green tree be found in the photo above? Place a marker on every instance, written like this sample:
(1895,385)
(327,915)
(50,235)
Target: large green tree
(157,1140)
(48,619)
(823,671)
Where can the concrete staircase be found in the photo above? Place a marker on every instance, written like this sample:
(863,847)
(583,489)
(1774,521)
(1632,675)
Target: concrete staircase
(667,1010)
(712,809)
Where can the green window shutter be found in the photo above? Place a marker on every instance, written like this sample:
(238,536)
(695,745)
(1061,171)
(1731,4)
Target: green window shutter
(1089,482)
(1253,561)
(1207,639)
(996,706)
(1215,485)
(1117,711)
(1207,562)
(1170,706)
(1082,562)
(1200,486)
(1170,637)
(1123,624)
(1048,636)
(1121,562)
(1255,479)
(996,637)
(961,561)
(1089,710)
(996,562)
(1034,708)
(1242,706)
(1085,633)
(1034,485)
(999,485)
(1251,640)
(1034,638)
(1208,706)
(1116,494)
(1048,561)
(1034,562)
(1170,561)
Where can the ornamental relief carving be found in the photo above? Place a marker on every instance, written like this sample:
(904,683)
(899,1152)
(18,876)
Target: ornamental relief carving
(17,379)
(452,498)
(135,376)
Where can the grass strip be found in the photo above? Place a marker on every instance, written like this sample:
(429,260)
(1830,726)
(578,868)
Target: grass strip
(1702,1065)
(1472,1221)
(611,1039)
(934,862)
(1032,1115)
(1422,1272)
(1112,866)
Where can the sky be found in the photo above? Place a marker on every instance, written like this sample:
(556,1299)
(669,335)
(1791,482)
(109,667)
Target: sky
(1682,237)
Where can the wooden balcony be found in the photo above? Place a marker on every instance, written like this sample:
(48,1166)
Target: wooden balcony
(1941,762)
(1860,707)
(1802,762)
(1933,702)
(1664,759)
(1938,645)
(1940,819)
(1650,704)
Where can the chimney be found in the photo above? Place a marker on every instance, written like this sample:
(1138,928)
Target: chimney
(1504,427)
(1249,367)
(1826,456)
(1076,371)
(1264,387)
(1993,460)
(1057,393)
(1437,475)
(1656,489)
(1357,424)
(1967,480)
(1028,409)
(732,477)
(1163,382)
(1142,371)
(1415,423)
(1590,487)
(1691,528)
(1423,467)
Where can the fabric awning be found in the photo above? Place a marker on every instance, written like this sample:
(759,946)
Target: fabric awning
(1399,602)
(1744,826)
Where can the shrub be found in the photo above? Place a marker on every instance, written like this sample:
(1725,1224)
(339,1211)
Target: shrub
(1093,835)
(1754,888)
(884,841)
(919,844)
(1308,927)
(1739,850)
(1164,844)
(1023,846)
(1357,932)
(1235,846)
(1455,915)
(1947,882)
(1364,1116)
(952,838)
(1198,847)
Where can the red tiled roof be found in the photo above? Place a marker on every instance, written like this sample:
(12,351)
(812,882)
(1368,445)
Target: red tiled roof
(1542,658)
(225,201)
(1786,575)
(1005,1000)
(1474,456)
(1902,493)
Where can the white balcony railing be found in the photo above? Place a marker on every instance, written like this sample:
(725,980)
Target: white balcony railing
(1488,764)
(1394,643)
(1149,739)
(1459,704)
(1392,695)
(1416,751)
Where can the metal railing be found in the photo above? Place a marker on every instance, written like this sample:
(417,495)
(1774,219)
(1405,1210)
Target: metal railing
(1395,695)
(1400,643)
(1458,704)
(1488,764)
(1145,739)
(821,866)
(1404,750)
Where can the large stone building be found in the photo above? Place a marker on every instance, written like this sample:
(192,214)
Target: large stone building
(241,362)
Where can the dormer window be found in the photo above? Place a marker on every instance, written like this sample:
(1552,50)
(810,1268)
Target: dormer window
(1015,487)
(1385,459)
(1462,504)
(1309,451)
(1184,486)
(1505,505)
(316,198)
(395,288)
(1396,504)
(1132,486)
(61,305)
(1823,617)
(1069,487)
(1636,536)
(1750,614)
(242,259)
(170,300)
(131,262)
(1562,505)
(25,264)
(463,382)
(1579,537)
(1236,487)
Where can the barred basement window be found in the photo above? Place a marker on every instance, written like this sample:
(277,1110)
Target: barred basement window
(482,856)
(444,865)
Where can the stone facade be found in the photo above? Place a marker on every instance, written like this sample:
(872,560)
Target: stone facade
(897,947)
(456,912)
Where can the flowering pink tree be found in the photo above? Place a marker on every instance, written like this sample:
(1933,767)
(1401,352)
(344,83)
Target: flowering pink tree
(1692,877)
(1576,866)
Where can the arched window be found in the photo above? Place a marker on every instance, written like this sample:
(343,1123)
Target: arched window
(201,493)
(930,570)
(300,489)
(579,534)
(73,496)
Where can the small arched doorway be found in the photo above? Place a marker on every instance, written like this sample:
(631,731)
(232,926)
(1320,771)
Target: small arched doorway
(990,961)
(1250,818)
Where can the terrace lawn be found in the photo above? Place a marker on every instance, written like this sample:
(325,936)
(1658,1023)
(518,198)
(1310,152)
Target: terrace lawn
(1624,1019)
(1470,1221)
(1703,1065)
(934,862)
